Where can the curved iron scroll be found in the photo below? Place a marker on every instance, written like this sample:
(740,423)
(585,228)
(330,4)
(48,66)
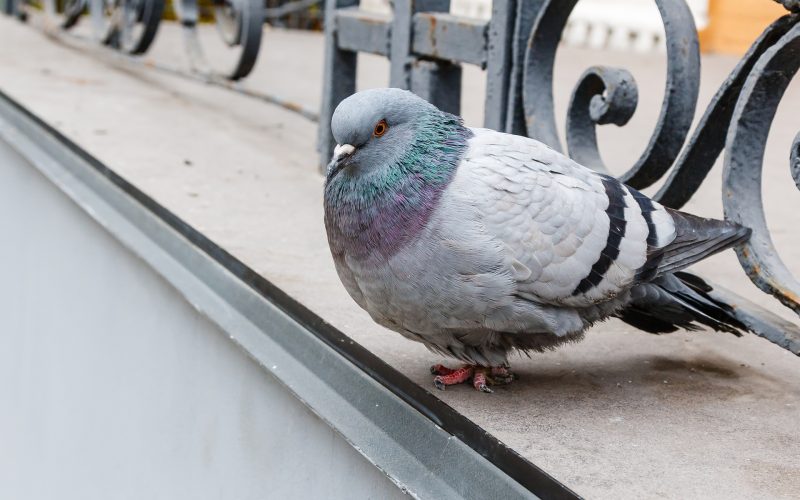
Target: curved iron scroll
(139,24)
(64,13)
(608,95)
(239,23)
(794,161)
(708,139)
(130,25)
(742,197)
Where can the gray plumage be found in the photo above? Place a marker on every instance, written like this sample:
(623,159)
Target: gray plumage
(477,243)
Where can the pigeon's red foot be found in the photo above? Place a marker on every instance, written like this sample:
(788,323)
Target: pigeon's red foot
(482,377)
(448,376)
(501,375)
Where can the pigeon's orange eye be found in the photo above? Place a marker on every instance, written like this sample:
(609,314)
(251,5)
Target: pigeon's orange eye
(380,128)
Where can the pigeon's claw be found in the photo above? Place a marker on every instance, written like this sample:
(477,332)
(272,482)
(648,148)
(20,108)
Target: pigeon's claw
(481,377)
(501,375)
(454,377)
(480,381)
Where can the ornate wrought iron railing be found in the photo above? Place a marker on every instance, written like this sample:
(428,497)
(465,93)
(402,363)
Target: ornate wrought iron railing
(426,47)
(131,26)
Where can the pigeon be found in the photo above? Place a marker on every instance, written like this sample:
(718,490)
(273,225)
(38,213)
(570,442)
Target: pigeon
(479,243)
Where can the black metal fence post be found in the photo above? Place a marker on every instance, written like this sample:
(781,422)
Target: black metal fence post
(339,77)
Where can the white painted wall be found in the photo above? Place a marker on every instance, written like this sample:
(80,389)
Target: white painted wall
(113,387)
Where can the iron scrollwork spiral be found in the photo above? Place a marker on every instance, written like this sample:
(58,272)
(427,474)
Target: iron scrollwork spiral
(64,14)
(794,161)
(130,25)
(609,95)
(57,14)
(239,23)
(744,157)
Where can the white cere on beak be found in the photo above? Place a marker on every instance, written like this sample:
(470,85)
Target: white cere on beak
(342,150)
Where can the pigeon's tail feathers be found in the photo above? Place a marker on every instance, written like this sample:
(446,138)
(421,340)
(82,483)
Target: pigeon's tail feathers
(679,300)
(695,239)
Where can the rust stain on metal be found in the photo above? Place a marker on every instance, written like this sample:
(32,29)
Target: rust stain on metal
(432,36)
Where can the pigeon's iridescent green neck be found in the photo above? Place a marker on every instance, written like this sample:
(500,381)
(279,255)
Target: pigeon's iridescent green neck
(380,209)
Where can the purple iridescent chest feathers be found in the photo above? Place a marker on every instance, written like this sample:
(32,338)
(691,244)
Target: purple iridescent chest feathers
(385,197)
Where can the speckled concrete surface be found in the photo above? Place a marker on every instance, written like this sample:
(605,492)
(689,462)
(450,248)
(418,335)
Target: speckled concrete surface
(621,415)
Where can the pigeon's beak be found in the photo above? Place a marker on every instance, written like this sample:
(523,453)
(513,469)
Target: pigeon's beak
(340,153)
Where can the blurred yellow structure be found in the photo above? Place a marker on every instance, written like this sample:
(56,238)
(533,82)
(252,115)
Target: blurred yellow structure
(735,24)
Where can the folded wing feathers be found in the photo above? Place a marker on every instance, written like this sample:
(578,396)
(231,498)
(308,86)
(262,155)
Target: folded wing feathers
(677,301)
(697,238)
(644,240)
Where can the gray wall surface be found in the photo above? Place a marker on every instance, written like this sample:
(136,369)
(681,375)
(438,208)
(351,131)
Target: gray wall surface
(112,386)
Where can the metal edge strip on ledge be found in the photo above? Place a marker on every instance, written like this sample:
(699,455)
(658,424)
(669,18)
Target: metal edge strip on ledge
(423,445)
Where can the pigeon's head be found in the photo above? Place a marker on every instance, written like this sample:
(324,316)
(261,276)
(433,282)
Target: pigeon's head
(396,155)
(376,128)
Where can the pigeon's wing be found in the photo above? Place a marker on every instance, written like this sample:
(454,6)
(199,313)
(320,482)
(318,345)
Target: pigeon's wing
(695,239)
(574,237)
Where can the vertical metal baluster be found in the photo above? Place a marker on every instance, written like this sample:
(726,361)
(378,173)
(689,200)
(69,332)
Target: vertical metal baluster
(338,80)
(499,62)
(526,12)
(400,49)
(438,82)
